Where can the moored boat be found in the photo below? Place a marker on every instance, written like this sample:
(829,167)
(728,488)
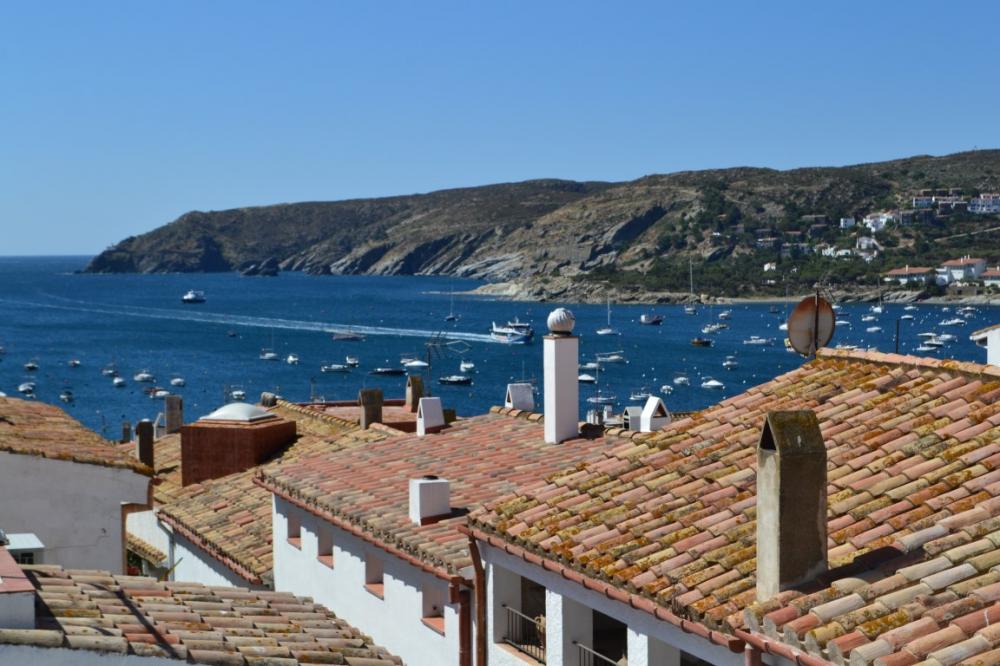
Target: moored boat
(514,332)
(459,380)
(193,296)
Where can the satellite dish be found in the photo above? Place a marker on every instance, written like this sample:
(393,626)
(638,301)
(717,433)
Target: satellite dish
(811,325)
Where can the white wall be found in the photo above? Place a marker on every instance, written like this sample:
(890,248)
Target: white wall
(563,602)
(145,525)
(393,622)
(74,508)
(191,564)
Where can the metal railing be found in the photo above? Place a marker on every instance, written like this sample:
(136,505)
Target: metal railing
(589,657)
(525,634)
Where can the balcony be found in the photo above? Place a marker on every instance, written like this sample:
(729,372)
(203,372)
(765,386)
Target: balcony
(525,634)
(589,657)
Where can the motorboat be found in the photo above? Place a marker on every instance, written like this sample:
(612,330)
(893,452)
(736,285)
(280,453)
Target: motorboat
(238,394)
(783,326)
(177,381)
(934,342)
(335,367)
(873,329)
(725,314)
(143,376)
(268,355)
(708,329)
(730,363)
(231,334)
(651,319)
(388,372)
(584,378)
(109,370)
(590,365)
(947,337)
(869,317)
(352,361)
(701,342)
(690,310)
(609,329)
(118,382)
(159,394)
(682,380)
(667,389)
(758,340)
(193,296)
(602,399)
(347,336)
(74,363)
(642,394)
(514,332)
(466,366)
(926,348)
(455,380)
(26,388)
(773,309)
(415,364)
(709,383)
(910,308)
(955,321)
(611,357)
(926,334)
(842,322)
(906,317)
(31,365)
(292,359)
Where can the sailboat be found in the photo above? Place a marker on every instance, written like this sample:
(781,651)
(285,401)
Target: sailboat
(690,309)
(878,308)
(608,330)
(451,308)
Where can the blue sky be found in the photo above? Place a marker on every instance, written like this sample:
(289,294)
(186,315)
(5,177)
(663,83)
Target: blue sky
(117,117)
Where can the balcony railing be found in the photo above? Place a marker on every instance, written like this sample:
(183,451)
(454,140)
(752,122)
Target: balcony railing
(589,657)
(525,634)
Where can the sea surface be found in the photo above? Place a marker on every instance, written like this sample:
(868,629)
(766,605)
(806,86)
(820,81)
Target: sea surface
(51,314)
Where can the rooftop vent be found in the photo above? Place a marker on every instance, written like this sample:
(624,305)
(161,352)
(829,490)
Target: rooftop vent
(654,415)
(430,416)
(521,396)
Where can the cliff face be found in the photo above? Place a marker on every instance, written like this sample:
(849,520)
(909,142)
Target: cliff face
(542,227)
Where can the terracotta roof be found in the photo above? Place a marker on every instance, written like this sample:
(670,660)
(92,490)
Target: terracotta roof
(365,490)
(35,428)
(964,261)
(145,550)
(990,273)
(230,517)
(910,270)
(98,611)
(668,523)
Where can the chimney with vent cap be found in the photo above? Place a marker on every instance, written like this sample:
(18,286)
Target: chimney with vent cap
(791,502)
(561,351)
(430,497)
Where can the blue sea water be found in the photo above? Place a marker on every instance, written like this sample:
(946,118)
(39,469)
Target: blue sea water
(51,314)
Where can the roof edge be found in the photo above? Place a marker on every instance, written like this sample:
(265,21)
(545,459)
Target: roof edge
(967,367)
(212,549)
(137,467)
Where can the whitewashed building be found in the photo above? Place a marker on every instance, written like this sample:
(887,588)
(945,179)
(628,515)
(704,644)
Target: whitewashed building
(964,269)
(878,221)
(847,223)
(908,275)
(985,204)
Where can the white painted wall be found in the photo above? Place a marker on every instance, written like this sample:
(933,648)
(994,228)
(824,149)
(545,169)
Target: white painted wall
(191,564)
(38,656)
(563,602)
(74,508)
(145,525)
(393,622)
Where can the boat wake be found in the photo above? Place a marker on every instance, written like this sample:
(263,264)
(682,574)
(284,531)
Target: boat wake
(243,320)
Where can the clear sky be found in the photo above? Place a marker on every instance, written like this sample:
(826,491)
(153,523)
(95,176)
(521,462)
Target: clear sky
(116,117)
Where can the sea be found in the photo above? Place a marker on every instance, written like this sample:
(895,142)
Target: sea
(52,314)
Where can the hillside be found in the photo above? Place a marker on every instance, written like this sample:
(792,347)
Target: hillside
(638,234)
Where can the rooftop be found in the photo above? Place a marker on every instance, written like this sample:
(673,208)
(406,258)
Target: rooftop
(238,411)
(34,428)
(910,270)
(964,261)
(394,413)
(667,524)
(135,615)
(365,490)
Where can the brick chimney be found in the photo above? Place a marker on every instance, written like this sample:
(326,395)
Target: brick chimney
(561,351)
(144,442)
(791,502)
(174,416)
(370,400)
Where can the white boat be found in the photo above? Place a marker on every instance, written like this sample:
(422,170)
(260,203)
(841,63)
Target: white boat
(877,309)
(953,322)
(869,318)
(466,366)
(709,383)
(513,333)
(31,365)
(27,388)
(934,342)
(347,335)
(713,328)
(608,330)
(641,394)
(451,307)
(906,317)
(667,389)
(352,361)
(926,334)
(910,308)
(118,382)
(783,326)
(109,370)
(177,381)
(74,363)
(602,399)
(758,340)
(690,310)
(268,355)
(947,337)
(455,380)
(926,348)
(590,365)
(416,364)
(193,296)
(730,363)
(651,319)
(292,359)
(238,394)
(159,394)
(334,367)
(611,357)
(584,378)
(873,329)
(842,322)
(143,376)
(66,395)
(682,380)
(725,314)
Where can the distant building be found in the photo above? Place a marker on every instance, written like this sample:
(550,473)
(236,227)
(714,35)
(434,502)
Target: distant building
(815,219)
(877,221)
(770,266)
(966,268)
(911,216)
(948,204)
(923,202)
(847,223)
(817,230)
(910,275)
(985,204)
(866,243)
(769,242)
(991,277)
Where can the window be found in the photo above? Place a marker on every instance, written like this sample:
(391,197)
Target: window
(324,546)
(294,530)
(433,597)
(374,576)
(27,557)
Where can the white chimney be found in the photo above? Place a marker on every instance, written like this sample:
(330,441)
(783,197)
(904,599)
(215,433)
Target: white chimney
(430,416)
(430,497)
(520,396)
(562,391)
(654,415)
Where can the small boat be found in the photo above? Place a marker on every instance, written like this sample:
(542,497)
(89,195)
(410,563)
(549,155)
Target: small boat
(352,361)
(953,322)
(334,367)
(26,388)
(934,342)
(758,340)
(231,334)
(701,342)
(842,322)
(584,378)
(602,399)
(118,382)
(682,380)
(873,329)
(926,334)
(709,383)
(689,310)
(667,389)
(783,326)
(773,309)
(451,307)
(193,296)
(455,380)
(466,366)
(292,359)
(74,363)
(641,394)
(144,376)
(926,348)
(159,394)
(725,314)
(708,329)
(947,337)
(877,309)
(906,317)
(651,319)
(31,365)
(730,363)
(238,394)
(388,372)
(910,308)
(109,370)
(177,381)
(869,317)
(415,364)
(268,355)
(590,365)
(789,347)
(514,333)
(347,336)
(611,357)
(608,330)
